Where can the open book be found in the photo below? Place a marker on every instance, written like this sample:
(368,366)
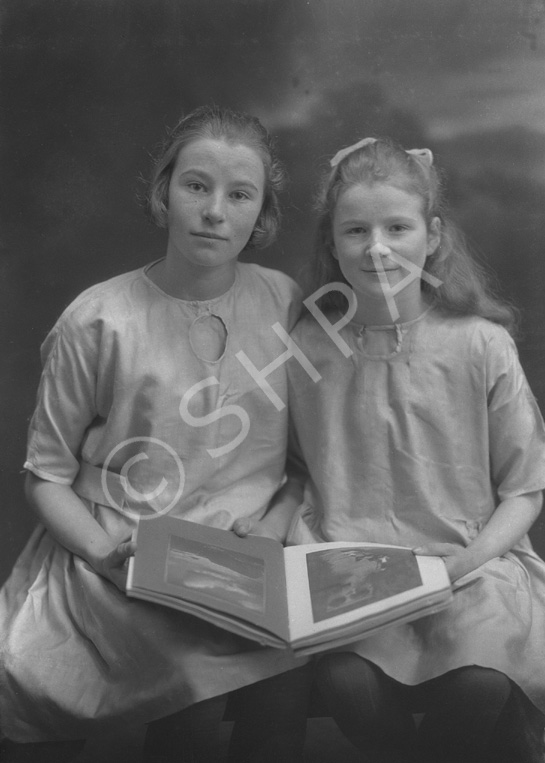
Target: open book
(308,598)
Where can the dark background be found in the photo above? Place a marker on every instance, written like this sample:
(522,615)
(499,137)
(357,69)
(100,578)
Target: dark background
(87,88)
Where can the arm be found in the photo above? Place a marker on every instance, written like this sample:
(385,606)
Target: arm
(516,439)
(509,523)
(71,524)
(276,522)
(285,502)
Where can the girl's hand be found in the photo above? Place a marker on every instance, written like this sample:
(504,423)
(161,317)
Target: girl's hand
(276,522)
(69,521)
(455,557)
(113,566)
(248,526)
(509,523)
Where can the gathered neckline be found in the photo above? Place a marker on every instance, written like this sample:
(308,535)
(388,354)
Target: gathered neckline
(405,325)
(400,329)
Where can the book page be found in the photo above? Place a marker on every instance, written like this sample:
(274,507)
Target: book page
(179,561)
(344,579)
(223,575)
(333,586)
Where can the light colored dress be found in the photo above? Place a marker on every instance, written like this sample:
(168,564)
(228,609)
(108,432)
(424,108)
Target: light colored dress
(415,438)
(76,651)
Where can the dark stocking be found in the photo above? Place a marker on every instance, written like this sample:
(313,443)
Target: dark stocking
(270,723)
(190,736)
(364,703)
(461,713)
(271,719)
(519,732)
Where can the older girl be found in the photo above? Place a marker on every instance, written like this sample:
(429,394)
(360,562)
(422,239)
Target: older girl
(143,408)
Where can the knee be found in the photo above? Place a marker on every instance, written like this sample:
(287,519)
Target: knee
(333,671)
(474,680)
(342,675)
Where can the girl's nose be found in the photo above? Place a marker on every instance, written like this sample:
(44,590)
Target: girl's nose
(379,250)
(214,210)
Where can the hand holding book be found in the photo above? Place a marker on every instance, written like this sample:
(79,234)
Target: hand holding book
(279,517)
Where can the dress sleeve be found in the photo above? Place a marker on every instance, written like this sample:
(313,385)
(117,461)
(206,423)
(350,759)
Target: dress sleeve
(516,429)
(66,400)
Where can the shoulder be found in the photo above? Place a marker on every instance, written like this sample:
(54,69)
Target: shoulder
(270,280)
(477,334)
(307,327)
(319,345)
(471,345)
(270,293)
(105,304)
(104,296)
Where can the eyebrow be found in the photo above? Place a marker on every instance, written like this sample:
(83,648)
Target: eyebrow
(206,176)
(363,221)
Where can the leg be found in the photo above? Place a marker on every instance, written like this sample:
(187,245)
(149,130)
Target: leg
(367,707)
(519,732)
(190,736)
(271,719)
(461,714)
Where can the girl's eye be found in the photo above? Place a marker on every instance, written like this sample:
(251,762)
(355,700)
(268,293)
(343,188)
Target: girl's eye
(356,230)
(194,185)
(239,195)
(399,228)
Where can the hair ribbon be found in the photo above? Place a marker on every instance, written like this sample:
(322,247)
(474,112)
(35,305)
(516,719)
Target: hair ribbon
(422,154)
(340,155)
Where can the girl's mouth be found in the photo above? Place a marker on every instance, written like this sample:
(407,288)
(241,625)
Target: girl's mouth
(213,236)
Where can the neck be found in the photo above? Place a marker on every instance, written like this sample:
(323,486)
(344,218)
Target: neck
(191,282)
(378,311)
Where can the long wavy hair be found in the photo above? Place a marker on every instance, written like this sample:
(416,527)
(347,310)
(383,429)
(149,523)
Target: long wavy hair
(218,123)
(465,287)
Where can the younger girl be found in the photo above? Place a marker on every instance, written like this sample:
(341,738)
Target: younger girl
(144,408)
(422,432)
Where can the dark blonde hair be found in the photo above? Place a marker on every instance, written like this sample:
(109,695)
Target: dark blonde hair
(217,123)
(464,287)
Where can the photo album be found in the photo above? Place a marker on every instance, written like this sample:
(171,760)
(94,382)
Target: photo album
(306,598)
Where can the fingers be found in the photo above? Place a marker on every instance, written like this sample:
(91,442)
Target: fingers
(423,551)
(435,549)
(122,552)
(243,527)
(127,548)
(118,556)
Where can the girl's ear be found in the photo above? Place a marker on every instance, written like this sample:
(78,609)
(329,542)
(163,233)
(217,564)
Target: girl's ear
(434,236)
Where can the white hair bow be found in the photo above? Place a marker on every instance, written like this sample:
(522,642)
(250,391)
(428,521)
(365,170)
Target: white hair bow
(423,154)
(340,155)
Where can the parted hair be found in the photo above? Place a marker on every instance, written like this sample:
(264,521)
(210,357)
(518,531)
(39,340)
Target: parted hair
(218,123)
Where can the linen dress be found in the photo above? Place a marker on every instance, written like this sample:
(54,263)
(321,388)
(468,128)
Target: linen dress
(77,652)
(416,437)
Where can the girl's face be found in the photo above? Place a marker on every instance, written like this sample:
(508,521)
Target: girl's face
(214,199)
(379,232)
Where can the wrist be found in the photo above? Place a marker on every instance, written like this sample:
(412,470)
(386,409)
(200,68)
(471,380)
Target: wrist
(95,556)
(460,565)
